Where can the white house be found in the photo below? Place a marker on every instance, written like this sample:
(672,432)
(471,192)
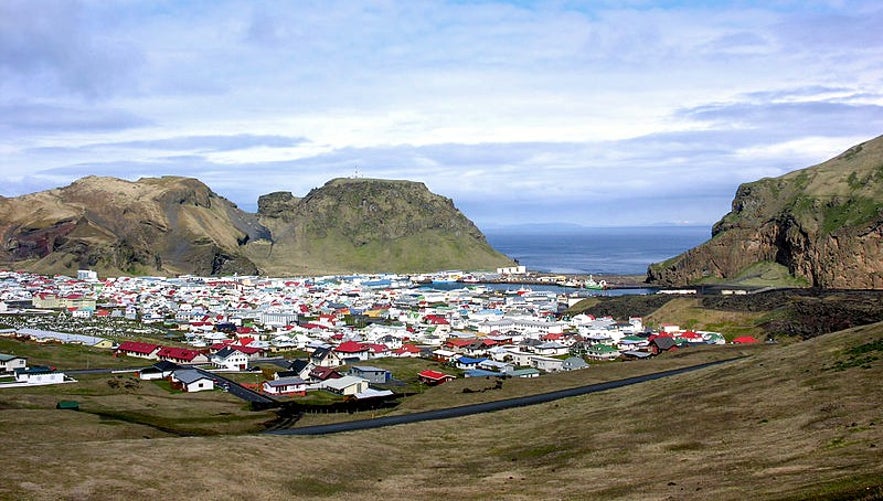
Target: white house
(39,375)
(547,364)
(191,380)
(9,363)
(347,385)
(230,359)
(291,385)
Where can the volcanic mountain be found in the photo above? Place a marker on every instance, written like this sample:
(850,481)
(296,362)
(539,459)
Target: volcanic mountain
(820,226)
(174,225)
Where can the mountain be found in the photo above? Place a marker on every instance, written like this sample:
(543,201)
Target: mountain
(369,225)
(820,226)
(175,225)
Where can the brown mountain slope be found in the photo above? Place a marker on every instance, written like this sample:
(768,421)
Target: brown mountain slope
(163,225)
(174,225)
(820,226)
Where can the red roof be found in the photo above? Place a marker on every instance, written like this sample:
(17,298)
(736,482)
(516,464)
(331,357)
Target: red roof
(407,348)
(690,335)
(460,342)
(177,353)
(138,347)
(744,340)
(434,375)
(350,347)
(436,320)
(377,348)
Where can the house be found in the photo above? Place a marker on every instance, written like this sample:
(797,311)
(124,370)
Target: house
(39,375)
(551,349)
(496,366)
(547,364)
(322,373)
(9,363)
(374,375)
(432,377)
(346,385)
(159,370)
(230,358)
(467,363)
(602,352)
(326,357)
(662,343)
(574,364)
(138,349)
(525,373)
(191,381)
(444,355)
(292,385)
(353,350)
(181,355)
(301,368)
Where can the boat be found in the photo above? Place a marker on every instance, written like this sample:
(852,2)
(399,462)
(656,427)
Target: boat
(590,283)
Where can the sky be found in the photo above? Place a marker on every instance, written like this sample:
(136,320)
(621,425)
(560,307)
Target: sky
(597,113)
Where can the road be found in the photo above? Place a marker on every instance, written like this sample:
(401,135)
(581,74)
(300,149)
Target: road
(238,390)
(468,410)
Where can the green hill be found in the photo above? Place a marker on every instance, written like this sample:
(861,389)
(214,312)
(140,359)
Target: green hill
(820,226)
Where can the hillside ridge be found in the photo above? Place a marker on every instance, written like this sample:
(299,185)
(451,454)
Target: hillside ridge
(177,225)
(820,226)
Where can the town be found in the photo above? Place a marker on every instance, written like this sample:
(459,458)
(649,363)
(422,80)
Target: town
(317,334)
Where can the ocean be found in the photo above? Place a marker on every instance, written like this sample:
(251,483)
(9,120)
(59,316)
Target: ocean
(595,251)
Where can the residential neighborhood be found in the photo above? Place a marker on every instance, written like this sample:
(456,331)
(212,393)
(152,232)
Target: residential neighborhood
(317,333)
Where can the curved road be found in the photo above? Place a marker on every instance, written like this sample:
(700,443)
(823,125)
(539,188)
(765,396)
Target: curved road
(468,410)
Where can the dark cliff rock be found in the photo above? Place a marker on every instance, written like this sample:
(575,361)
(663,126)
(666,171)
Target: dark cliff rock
(822,224)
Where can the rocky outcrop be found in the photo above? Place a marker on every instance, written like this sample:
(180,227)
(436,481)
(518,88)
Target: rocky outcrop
(822,224)
(175,225)
(168,225)
(363,225)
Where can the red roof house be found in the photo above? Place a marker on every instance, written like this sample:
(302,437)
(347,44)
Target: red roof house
(432,377)
(138,349)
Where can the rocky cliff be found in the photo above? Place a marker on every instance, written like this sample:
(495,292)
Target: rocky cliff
(166,225)
(359,225)
(174,225)
(820,226)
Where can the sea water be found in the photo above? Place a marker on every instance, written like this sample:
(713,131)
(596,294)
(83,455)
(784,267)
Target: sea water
(596,251)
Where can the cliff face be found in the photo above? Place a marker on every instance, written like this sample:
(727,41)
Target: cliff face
(174,225)
(822,224)
(168,225)
(356,225)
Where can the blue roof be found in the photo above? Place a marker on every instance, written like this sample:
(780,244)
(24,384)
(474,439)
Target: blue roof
(481,373)
(470,360)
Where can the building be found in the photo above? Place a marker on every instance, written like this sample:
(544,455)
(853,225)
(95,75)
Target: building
(191,381)
(374,375)
(39,375)
(9,363)
(291,385)
(138,349)
(347,385)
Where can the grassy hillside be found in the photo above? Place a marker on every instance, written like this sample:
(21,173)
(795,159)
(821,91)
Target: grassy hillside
(791,422)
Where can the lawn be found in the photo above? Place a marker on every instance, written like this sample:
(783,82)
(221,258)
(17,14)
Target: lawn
(67,356)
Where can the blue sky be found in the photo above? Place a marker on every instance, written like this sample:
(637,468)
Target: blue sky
(593,113)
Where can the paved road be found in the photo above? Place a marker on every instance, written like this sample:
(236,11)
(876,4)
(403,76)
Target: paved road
(468,410)
(238,390)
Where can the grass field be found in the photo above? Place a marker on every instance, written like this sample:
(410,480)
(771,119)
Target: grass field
(788,422)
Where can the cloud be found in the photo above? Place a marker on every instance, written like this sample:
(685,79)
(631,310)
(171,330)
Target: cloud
(50,118)
(53,45)
(594,112)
